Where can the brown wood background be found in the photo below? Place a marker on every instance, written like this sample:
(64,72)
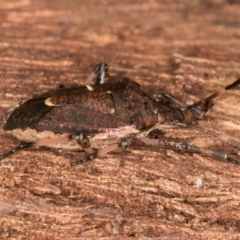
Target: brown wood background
(186,48)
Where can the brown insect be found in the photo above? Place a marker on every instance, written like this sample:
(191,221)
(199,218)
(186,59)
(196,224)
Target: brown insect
(102,117)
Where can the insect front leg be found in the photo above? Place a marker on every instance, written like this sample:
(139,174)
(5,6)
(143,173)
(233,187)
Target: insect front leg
(185,147)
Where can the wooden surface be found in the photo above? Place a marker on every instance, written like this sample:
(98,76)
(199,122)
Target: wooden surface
(186,48)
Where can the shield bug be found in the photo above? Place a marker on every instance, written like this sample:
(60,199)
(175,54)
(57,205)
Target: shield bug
(102,117)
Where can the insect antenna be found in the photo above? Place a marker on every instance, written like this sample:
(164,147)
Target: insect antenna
(200,113)
(205,102)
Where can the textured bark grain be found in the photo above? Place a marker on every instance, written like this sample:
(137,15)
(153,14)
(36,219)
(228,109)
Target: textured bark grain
(189,49)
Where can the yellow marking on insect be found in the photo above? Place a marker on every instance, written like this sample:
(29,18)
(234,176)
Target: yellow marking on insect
(49,102)
(108,92)
(89,87)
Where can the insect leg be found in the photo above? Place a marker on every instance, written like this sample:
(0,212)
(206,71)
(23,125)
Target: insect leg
(184,147)
(16,149)
(41,142)
(100,72)
(123,143)
(86,159)
(223,137)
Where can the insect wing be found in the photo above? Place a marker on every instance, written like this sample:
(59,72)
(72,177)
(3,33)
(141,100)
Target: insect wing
(97,98)
(26,114)
(70,118)
(31,111)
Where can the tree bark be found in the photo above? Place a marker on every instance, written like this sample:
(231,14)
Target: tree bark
(188,49)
